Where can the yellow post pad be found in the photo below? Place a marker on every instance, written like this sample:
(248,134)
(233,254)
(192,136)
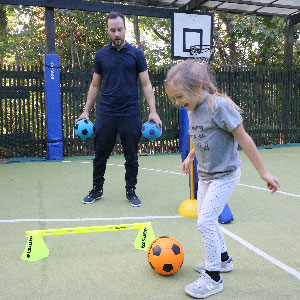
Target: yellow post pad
(188,208)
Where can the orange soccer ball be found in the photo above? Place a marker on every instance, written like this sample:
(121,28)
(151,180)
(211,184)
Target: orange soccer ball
(165,255)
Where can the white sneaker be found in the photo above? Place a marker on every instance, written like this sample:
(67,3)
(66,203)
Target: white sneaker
(226,266)
(204,287)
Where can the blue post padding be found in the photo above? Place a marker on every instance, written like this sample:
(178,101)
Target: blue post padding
(183,128)
(54,151)
(53,106)
(184,140)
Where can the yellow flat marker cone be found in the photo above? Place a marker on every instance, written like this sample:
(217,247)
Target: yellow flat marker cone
(188,208)
(35,249)
(144,238)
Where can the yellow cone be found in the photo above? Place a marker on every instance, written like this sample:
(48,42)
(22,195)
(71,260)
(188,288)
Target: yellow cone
(35,249)
(188,208)
(144,238)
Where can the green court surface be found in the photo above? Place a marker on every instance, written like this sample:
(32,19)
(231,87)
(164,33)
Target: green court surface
(264,238)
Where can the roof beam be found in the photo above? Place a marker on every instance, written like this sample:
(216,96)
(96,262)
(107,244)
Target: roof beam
(293,19)
(273,4)
(192,5)
(198,5)
(94,6)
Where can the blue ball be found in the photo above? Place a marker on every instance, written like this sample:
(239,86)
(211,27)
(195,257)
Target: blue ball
(84,129)
(150,131)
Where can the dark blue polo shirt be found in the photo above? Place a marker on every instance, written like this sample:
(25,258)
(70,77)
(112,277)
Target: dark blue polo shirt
(119,71)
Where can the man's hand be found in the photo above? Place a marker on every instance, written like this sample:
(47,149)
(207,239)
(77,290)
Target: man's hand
(84,115)
(155,117)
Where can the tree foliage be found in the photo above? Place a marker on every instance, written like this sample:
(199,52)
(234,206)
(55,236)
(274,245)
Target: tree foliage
(155,37)
(252,40)
(239,39)
(78,36)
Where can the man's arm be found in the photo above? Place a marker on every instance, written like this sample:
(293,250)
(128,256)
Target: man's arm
(149,95)
(91,97)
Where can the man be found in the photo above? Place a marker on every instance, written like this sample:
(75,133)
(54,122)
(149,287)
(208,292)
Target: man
(117,68)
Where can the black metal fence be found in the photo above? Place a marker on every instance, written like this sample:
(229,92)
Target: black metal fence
(74,88)
(22,113)
(269,98)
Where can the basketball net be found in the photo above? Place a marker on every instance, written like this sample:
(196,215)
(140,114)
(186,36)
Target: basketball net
(202,53)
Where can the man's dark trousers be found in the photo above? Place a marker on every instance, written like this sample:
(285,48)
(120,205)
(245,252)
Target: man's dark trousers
(107,129)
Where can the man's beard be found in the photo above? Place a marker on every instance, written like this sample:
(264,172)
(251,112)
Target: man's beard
(118,42)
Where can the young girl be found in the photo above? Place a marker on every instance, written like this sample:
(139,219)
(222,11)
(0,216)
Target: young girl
(216,127)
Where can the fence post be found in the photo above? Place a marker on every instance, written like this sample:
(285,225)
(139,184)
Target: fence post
(53,107)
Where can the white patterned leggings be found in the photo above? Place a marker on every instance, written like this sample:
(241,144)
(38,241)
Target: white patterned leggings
(212,196)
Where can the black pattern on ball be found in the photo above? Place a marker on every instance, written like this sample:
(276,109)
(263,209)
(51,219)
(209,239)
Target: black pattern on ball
(156,250)
(176,249)
(168,267)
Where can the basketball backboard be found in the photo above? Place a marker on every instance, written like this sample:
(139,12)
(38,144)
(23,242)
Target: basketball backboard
(192,35)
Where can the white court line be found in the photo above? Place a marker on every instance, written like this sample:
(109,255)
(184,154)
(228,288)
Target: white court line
(240,184)
(243,242)
(264,189)
(263,254)
(90,219)
(227,232)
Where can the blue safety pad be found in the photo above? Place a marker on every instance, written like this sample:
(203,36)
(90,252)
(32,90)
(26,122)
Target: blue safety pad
(53,107)
(54,151)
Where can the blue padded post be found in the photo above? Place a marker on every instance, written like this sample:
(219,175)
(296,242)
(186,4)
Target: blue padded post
(184,137)
(182,114)
(184,140)
(53,107)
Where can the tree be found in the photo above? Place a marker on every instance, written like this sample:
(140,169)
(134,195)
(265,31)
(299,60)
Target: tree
(154,36)
(3,26)
(247,40)
(137,33)
(78,36)
(251,40)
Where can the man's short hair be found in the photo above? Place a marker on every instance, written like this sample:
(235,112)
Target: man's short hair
(114,15)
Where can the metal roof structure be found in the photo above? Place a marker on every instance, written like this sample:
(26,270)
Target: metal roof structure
(282,8)
(261,7)
(288,9)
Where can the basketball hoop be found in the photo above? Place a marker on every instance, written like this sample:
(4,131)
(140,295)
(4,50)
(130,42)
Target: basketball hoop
(202,53)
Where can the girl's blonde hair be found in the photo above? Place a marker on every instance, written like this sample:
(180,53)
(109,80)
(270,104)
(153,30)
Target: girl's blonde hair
(189,74)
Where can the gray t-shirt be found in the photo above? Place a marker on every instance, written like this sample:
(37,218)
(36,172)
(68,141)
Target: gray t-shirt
(214,144)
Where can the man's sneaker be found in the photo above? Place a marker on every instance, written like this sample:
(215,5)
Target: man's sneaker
(226,266)
(94,194)
(204,287)
(132,198)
